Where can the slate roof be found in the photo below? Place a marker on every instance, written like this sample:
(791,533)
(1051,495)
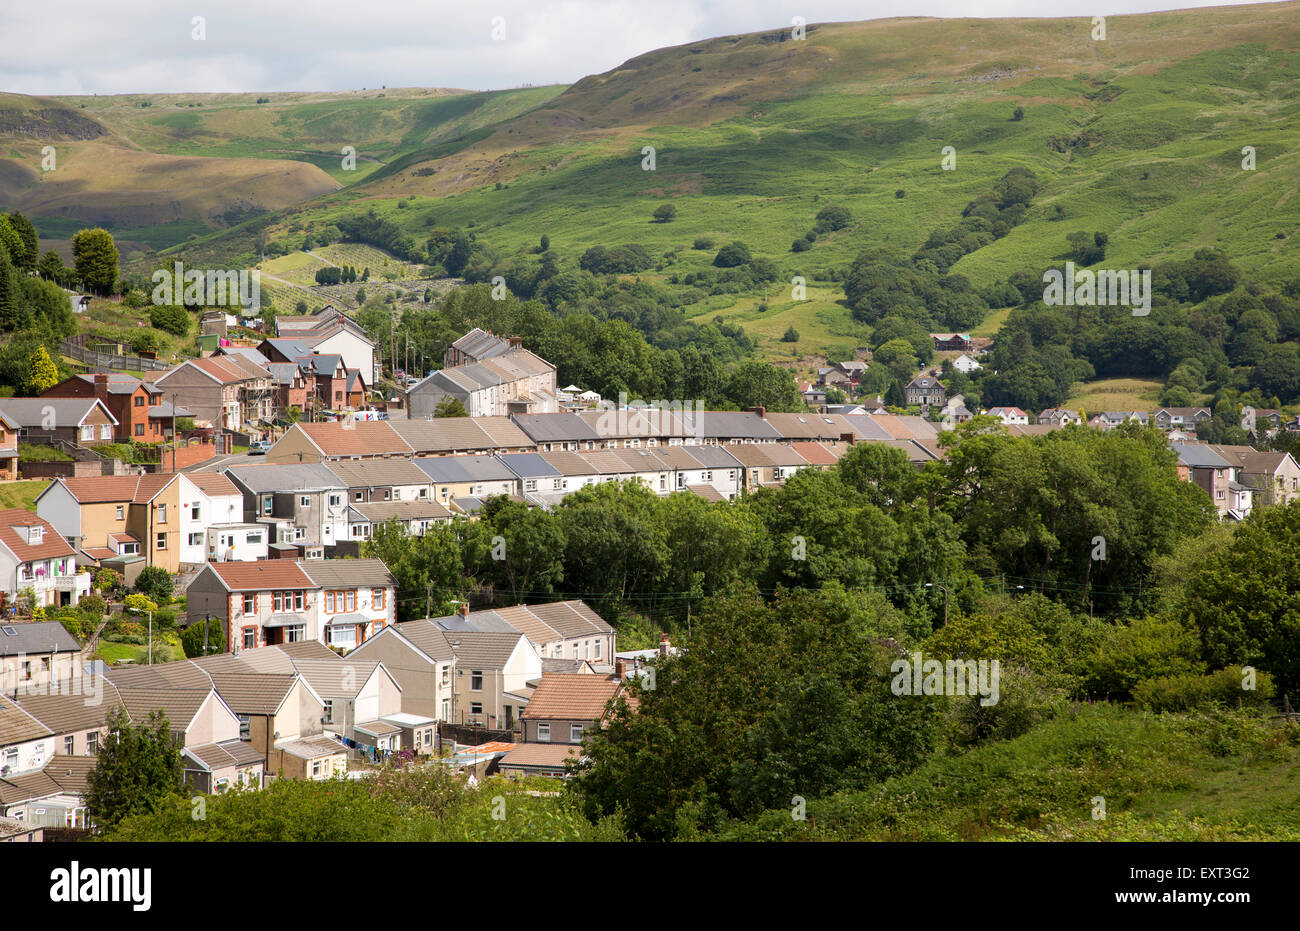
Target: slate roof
(33,412)
(305,476)
(36,637)
(555,428)
(459,469)
(352,573)
(528,465)
(733,425)
(1199,457)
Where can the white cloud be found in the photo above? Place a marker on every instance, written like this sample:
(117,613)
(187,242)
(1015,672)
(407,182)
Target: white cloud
(256,45)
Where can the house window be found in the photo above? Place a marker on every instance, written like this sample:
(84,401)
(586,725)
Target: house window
(575,733)
(295,633)
(277,602)
(598,649)
(69,743)
(194,512)
(120,513)
(88,431)
(250,604)
(196,539)
(358,498)
(338,602)
(255,537)
(162,513)
(424,493)
(543,733)
(162,541)
(335,500)
(304,500)
(476,680)
(266,505)
(245,727)
(476,708)
(139,429)
(299,534)
(377,598)
(92,743)
(250,638)
(446,675)
(530,485)
(106,431)
(329,712)
(343,636)
(315,769)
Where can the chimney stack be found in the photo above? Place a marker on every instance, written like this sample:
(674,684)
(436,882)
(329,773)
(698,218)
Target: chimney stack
(760,411)
(665,645)
(620,670)
(464,609)
(101,379)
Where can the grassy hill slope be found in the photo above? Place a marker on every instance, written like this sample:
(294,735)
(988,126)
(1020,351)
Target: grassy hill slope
(1139,135)
(163,167)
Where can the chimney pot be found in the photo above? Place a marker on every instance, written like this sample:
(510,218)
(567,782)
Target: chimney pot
(464,609)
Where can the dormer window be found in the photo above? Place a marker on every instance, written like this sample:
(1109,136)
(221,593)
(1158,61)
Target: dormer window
(35,534)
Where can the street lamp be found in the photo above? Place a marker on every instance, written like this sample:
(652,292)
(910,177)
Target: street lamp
(945,599)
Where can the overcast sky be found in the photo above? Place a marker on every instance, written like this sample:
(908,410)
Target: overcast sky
(138,46)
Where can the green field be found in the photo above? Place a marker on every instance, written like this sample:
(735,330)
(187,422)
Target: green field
(1115,394)
(21,494)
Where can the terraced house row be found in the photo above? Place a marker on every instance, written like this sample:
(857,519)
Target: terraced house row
(298,709)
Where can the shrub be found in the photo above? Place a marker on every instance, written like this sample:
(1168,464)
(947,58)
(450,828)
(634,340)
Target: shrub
(1183,693)
(172,319)
(733,254)
(93,607)
(155,583)
(107,580)
(833,218)
(800,245)
(192,638)
(703,242)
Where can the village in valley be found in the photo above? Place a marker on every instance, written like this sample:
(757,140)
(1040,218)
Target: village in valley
(881,430)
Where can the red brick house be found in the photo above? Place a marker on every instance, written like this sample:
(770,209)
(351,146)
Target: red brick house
(130,400)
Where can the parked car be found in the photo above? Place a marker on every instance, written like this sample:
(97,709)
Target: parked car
(259,448)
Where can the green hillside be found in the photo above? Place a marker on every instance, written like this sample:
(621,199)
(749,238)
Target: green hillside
(1139,136)
(166,168)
